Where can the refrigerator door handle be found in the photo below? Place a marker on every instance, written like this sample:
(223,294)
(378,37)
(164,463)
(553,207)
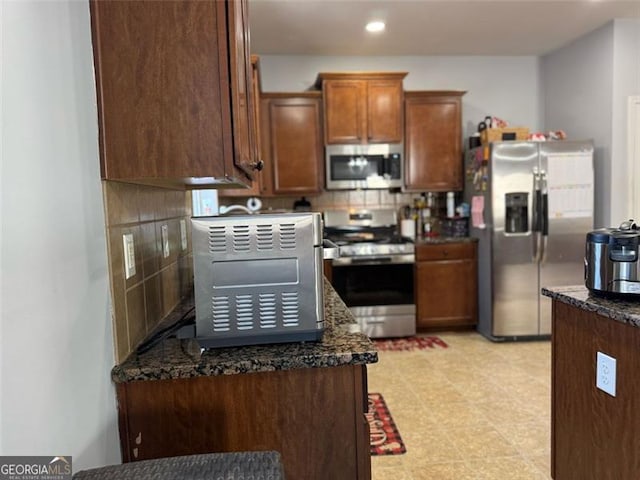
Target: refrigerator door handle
(537,220)
(545,216)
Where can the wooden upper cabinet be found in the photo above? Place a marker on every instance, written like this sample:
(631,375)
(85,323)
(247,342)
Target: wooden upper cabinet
(362,107)
(291,131)
(242,101)
(173,84)
(433,141)
(345,111)
(384,107)
(257,186)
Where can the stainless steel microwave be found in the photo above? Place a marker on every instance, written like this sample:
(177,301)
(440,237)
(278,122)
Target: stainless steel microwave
(364,166)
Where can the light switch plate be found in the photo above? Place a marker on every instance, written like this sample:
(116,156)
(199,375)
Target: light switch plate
(129,255)
(606,373)
(183,234)
(165,241)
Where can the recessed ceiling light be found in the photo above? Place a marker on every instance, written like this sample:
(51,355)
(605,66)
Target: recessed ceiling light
(374,27)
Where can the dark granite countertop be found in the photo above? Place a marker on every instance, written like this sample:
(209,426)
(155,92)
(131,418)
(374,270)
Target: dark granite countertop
(440,240)
(625,311)
(342,344)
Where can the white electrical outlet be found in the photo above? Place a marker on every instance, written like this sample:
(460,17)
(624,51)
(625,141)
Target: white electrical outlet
(183,234)
(165,241)
(606,373)
(129,255)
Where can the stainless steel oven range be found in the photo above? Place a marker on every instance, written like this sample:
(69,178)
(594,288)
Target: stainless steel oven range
(374,273)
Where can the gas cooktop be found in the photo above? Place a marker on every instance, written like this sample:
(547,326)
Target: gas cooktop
(366,232)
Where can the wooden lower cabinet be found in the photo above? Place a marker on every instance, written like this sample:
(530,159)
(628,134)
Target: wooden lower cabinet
(593,435)
(313,416)
(446,288)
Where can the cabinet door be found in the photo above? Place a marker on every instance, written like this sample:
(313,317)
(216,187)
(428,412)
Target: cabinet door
(446,293)
(161,110)
(295,145)
(241,89)
(433,143)
(384,111)
(345,110)
(257,184)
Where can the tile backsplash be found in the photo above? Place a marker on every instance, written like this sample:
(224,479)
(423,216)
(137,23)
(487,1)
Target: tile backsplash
(162,277)
(335,199)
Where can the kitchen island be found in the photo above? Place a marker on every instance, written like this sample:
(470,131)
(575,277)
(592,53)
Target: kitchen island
(304,400)
(594,434)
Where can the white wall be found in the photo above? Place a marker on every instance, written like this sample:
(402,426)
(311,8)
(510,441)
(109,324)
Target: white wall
(587,85)
(626,83)
(507,87)
(56,344)
(1,268)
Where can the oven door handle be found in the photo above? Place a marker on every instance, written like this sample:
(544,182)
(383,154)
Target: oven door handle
(374,260)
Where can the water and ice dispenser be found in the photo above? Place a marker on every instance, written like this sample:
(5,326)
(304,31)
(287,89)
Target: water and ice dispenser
(517,216)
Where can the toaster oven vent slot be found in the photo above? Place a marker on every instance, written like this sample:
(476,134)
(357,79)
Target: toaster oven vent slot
(220,313)
(267,309)
(217,239)
(241,238)
(244,312)
(290,310)
(287,236)
(264,237)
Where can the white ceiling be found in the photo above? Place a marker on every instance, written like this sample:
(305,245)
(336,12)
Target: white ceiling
(426,27)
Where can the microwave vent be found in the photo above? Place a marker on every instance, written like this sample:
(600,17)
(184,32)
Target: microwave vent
(290,309)
(217,239)
(241,238)
(221,314)
(264,237)
(246,238)
(244,312)
(287,236)
(267,310)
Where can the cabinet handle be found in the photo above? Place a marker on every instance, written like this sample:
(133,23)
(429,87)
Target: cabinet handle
(258,165)
(445,253)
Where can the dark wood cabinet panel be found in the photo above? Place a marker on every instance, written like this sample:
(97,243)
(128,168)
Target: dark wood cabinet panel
(446,285)
(433,141)
(292,142)
(172,84)
(594,435)
(362,107)
(242,101)
(313,416)
(257,187)
(384,111)
(345,109)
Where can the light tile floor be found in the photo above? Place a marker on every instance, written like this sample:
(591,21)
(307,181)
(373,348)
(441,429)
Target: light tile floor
(476,410)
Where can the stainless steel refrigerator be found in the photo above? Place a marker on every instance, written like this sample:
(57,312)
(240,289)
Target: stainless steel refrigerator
(531,207)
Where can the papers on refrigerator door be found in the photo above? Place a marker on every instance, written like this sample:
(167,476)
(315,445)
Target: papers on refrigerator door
(570,185)
(477,211)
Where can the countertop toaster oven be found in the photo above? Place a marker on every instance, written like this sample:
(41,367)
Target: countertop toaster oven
(258,278)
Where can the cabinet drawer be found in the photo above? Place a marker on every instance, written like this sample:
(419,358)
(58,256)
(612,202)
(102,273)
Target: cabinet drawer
(445,251)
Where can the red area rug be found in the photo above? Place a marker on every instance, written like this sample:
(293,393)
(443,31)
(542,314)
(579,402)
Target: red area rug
(384,437)
(409,343)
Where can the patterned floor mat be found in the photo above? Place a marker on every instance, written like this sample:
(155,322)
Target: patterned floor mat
(384,437)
